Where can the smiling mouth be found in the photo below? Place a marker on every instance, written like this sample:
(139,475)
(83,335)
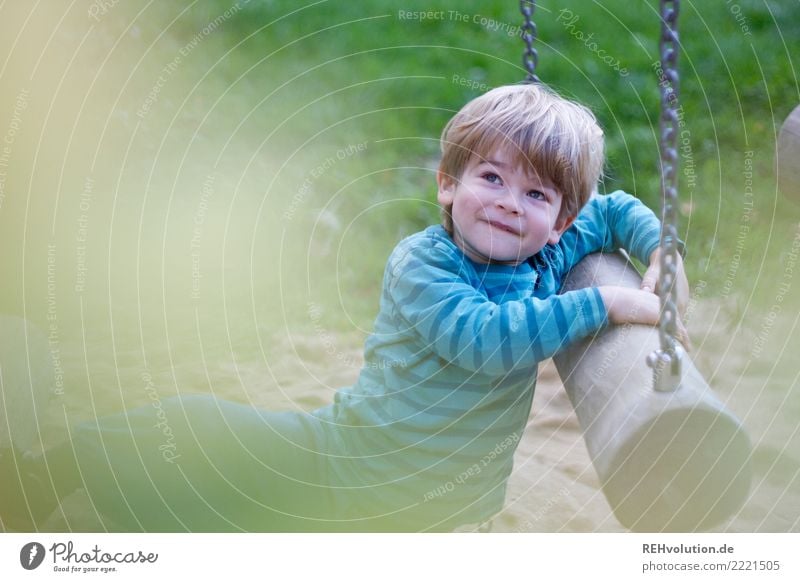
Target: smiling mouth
(503,227)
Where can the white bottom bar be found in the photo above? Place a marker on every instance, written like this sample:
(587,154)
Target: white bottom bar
(411,558)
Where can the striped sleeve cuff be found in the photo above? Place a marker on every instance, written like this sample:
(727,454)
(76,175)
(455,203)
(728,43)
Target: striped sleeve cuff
(590,312)
(597,314)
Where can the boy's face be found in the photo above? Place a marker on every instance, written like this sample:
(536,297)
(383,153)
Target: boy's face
(502,214)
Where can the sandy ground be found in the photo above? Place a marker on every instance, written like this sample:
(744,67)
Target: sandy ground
(554,487)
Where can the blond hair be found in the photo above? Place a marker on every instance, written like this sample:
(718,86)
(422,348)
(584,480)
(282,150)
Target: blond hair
(552,137)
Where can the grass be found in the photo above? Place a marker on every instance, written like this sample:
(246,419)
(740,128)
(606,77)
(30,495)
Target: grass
(271,102)
(366,74)
(191,190)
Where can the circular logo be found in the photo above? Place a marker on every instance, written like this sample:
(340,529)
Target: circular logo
(31,555)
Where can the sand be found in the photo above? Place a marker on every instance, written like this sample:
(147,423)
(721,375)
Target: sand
(554,487)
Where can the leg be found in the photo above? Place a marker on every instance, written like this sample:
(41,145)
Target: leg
(199,464)
(26,496)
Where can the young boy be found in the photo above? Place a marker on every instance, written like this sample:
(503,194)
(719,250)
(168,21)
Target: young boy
(424,440)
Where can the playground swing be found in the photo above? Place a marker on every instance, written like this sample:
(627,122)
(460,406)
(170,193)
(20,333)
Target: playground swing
(669,455)
(788,153)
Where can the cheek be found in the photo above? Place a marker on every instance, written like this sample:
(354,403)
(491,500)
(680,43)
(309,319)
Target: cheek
(466,204)
(552,216)
(541,225)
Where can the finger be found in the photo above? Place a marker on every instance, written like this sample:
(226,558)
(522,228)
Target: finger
(683,304)
(683,293)
(649,280)
(683,337)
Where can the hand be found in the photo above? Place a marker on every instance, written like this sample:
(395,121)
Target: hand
(626,305)
(650,280)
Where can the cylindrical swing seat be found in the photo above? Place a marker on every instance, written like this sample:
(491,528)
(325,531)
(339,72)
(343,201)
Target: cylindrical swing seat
(667,461)
(788,154)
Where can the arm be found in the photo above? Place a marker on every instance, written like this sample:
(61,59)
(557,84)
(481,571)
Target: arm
(615,221)
(454,320)
(610,222)
(627,305)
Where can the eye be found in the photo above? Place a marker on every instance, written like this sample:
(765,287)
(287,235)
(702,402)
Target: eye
(492,178)
(537,195)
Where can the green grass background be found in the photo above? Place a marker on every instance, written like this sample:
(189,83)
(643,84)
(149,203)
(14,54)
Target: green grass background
(269,105)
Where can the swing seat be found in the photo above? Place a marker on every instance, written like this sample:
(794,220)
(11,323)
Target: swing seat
(787,155)
(668,461)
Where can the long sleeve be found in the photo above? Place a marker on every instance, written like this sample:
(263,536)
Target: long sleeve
(449,375)
(431,291)
(607,223)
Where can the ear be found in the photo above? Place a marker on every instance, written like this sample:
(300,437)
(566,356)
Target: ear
(447,189)
(562,224)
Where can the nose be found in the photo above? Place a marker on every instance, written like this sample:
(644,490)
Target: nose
(509,202)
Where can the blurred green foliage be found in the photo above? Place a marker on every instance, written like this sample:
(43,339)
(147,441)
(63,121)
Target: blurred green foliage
(319,122)
(374,72)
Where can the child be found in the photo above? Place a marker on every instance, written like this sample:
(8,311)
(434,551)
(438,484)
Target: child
(424,440)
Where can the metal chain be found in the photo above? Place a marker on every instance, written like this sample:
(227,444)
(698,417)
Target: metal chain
(666,362)
(530,58)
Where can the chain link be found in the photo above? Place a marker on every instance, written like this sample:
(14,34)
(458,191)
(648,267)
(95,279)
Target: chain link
(666,362)
(530,58)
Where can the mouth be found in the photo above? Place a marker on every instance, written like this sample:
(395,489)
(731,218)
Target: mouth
(504,227)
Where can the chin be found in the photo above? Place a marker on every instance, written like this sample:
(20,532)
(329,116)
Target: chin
(507,259)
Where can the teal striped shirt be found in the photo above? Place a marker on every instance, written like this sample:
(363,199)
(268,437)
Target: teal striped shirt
(426,436)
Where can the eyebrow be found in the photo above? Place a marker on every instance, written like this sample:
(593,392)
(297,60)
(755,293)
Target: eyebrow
(504,166)
(494,163)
